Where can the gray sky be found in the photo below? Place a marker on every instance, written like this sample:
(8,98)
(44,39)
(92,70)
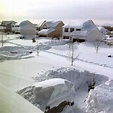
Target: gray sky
(100,11)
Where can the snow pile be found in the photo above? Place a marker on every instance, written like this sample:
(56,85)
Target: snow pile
(100,100)
(47,45)
(75,76)
(11,52)
(80,80)
(50,93)
(56,86)
(55,42)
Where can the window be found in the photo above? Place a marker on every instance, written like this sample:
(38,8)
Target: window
(17,26)
(66,30)
(71,29)
(78,29)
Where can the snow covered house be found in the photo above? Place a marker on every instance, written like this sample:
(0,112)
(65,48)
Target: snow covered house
(50,29)
(86,31)
(7,25)
(25,28)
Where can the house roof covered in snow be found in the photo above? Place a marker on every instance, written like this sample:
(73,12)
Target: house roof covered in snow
(7,22)
(74,24)
(41,23)
(87,27)
(52,24)
(79,33)
(46,31)
(23,22)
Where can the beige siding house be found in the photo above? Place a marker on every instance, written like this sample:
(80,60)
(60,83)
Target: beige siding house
(51,29)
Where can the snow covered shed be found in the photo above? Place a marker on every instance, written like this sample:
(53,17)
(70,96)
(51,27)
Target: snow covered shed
(86,31)
(51,29)
(25,28)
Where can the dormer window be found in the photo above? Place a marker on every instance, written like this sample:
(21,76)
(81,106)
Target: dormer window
(17,26)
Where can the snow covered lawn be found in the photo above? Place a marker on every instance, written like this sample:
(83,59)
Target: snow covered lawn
(87,53)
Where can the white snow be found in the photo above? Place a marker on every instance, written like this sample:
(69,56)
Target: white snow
(16,74)
(50,82)
(100,100)
(52,91)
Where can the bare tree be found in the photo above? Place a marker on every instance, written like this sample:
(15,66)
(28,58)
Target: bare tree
(37,46)
(72,53)
(38,49)
(97,44)
(2,38)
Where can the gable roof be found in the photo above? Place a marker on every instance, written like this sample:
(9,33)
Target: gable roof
(87,27)
(74,24)
(51,24)
(25,24)
(7,22)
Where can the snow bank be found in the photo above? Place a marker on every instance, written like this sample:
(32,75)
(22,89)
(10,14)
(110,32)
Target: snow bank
(75,76)
(52,90)
(79,79)
(100,100)
(49,93)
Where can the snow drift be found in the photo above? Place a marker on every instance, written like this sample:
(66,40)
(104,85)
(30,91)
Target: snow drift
(100,100)
(64,84)
(50,93)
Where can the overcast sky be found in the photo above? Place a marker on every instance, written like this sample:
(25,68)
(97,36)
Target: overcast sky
(100,11)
